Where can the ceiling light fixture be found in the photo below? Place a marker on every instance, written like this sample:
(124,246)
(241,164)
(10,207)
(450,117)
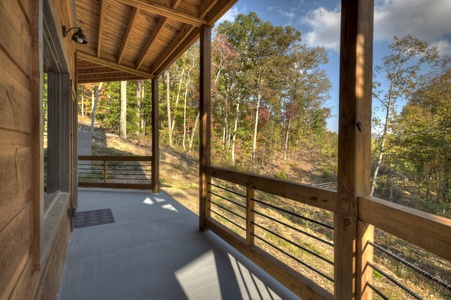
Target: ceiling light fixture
(78,36)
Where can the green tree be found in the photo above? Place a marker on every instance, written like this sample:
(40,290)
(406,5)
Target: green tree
(401,71)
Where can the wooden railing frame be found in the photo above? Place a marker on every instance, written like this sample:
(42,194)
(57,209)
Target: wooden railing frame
(105,159)
(428,231)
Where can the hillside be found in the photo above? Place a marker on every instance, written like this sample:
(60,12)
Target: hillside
(179,179)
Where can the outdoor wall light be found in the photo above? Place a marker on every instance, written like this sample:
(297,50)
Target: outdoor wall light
(78,36)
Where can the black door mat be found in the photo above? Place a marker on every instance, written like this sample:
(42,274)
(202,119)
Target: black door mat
(93,218)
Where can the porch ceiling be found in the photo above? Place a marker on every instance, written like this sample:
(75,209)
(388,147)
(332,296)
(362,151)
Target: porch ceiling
(138,39)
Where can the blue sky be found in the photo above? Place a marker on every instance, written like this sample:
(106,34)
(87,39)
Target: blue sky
(319,23)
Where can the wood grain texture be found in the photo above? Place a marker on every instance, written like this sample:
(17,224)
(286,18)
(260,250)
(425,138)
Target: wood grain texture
(17,238)
(15,35)
(15,102)
(430,232)
(155,182)
(53,266)
(354,140)
(205,124)
(317,197)
(15,182)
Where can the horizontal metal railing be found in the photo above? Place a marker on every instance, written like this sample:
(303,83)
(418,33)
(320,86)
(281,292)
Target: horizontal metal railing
(250,212)
(131,172)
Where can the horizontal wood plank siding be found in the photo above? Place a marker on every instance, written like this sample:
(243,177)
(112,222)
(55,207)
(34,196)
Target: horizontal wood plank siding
(14,34)
(15,151)
(17,236)
(53,266)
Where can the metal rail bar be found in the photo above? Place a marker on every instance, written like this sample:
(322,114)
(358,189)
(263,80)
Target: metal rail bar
(226,209)
(294,214)
(294,228)
(296,245)
(222,216)
(222,197)
(413,267)
(296,259)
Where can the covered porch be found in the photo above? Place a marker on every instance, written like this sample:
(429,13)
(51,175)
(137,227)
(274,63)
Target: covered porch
(153,250)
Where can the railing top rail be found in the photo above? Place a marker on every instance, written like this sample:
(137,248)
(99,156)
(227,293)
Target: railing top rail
(114,158)
(428,231)
(318,197)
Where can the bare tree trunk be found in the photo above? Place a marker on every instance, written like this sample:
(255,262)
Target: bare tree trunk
(168,100)
(83,100)
(93,114)
(138,106)
(254,144)
(235,128)
(382,147)
(287,137)
(194,132)
(184,117)
(123,116)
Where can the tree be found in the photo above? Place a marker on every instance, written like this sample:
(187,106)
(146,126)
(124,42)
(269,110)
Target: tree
(94,107)
(424,136)
(401,70)
(262,47)
(123,116)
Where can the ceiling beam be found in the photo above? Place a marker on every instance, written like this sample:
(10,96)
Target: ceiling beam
(156,31)
(133,17)
(107,63)
(165,12)
(158,27)
(101,22)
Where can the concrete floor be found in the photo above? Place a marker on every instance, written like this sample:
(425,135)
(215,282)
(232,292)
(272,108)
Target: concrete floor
(155,251)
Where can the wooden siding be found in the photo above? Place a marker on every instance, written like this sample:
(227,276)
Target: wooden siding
(15,158)
(22,275)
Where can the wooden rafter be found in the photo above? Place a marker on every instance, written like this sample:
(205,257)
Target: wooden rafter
(158,27)
(107,63)
(182,47)
(133,18)
(184,32)
(101,22)
(165,12)
(160,24)
(206,7)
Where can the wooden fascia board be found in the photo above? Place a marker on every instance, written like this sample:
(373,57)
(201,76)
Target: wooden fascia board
(109,79)
(106,63)
(101,22)
(133,18)
(165,12)
(221,7)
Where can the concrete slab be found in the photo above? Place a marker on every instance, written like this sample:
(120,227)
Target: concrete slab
(155,251)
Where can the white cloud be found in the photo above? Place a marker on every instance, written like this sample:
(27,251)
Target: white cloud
(428,20)
(230,15)
(443,46)
(325,25)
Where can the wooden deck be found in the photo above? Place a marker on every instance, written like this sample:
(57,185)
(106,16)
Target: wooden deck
(154,250)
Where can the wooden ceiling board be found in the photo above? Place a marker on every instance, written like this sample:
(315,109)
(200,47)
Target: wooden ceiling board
(160,32)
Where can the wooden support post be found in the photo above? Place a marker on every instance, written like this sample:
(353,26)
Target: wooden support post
(104,170)
(250,216)
(354,145)
(155,182)
(205,123)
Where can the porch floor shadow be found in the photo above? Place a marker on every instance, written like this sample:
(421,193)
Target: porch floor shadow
(154,250)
